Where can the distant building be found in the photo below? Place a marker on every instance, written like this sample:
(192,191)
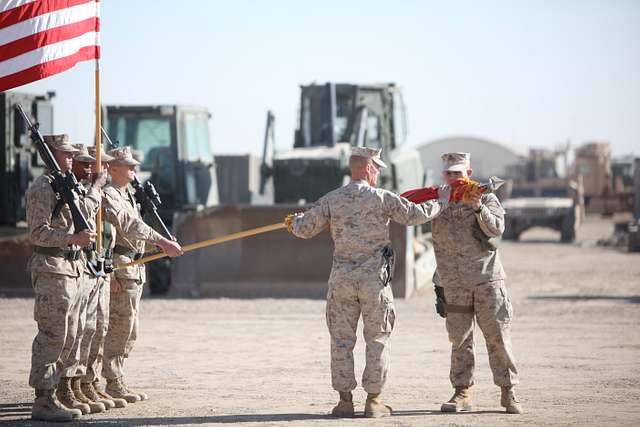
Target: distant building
(488,157)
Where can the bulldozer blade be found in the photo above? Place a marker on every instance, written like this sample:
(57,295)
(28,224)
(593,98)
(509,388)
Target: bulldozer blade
(267,265)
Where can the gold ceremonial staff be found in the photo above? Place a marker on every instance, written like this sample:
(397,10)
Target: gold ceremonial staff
(210,242)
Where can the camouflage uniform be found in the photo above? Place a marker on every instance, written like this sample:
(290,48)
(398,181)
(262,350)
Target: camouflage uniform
(57,283)
(472,276)
(131,233)
(358,216)
(94,319)
(97,324)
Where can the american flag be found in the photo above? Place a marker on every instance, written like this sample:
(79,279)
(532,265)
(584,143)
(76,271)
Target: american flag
(40,38)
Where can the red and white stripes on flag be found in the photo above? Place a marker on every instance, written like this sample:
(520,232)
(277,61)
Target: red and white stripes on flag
(40,38)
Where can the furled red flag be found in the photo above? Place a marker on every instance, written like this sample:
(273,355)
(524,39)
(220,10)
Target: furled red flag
(40,38)
(461,190)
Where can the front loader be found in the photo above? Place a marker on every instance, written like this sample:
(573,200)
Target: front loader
(332,119)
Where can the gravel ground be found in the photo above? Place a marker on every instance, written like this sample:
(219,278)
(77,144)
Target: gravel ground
(266,361)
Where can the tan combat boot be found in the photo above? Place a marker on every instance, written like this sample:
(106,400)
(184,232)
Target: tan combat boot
(509,400)
(46,407)
(92,395)
(119,403)
(143,396)
(95,407)
(374,408)
(115,388)
(65,395)
(460,401)
(344,408)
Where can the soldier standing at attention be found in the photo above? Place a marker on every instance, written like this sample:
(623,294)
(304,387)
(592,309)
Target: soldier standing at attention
(126,286)
(94,309)
(358,216)
(470,271)
(73,368)
(56,269)
(91,352)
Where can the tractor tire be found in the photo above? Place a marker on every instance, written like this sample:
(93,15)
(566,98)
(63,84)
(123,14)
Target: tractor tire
(510,231)
(568,227)
(159,276)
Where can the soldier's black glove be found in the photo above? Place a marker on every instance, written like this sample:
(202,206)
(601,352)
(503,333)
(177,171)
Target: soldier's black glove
(441,302)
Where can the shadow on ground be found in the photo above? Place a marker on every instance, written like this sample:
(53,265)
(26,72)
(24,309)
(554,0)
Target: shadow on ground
(632,299)
(17,410)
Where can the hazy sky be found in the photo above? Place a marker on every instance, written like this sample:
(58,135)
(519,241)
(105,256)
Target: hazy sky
(532,73)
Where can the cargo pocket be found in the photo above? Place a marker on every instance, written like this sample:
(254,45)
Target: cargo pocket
(42,308)
(388,310)
(328,308)
(389,318)
(387,265)
(505,312)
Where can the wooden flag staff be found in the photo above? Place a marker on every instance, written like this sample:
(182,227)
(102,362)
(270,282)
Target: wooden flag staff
(98,155)
(210,242)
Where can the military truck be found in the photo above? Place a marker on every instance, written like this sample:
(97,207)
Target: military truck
(19,166)
(175,153)
(332,119)
(172,142)
(544,193)
(19,161)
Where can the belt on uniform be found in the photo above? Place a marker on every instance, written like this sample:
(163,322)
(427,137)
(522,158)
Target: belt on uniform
(108,253)
(129,253)
(66,253)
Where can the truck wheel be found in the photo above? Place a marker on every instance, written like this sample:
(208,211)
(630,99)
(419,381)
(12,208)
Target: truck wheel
(159,276)
(510,232)
(568,228)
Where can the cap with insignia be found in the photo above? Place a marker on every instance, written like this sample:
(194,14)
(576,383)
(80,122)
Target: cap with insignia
(123,156)
(82,155)
(105,157)
(455,162)
(59,142)
(369,153)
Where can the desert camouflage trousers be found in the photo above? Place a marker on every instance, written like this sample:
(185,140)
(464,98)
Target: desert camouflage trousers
(92,351)
(92,329)
(346,300)
(489,305)
(71,365)
(124,307)
(56,311)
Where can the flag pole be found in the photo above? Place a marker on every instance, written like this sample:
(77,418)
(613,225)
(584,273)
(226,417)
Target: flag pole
(206,243)
(98,155)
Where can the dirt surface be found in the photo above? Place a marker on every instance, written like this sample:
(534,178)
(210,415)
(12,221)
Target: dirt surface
(266,361)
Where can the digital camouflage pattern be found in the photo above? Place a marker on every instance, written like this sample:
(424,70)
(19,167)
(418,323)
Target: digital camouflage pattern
(55,311)
(56,283)
(460,241)
(86,304)
(358,217)
(94,313)
(493,312)
(48,231)
(472,276)
(131,232)
(92,352)
(124,308)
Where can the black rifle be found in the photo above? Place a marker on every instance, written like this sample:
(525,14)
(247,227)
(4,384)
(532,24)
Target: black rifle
(65,185)
(146,196)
